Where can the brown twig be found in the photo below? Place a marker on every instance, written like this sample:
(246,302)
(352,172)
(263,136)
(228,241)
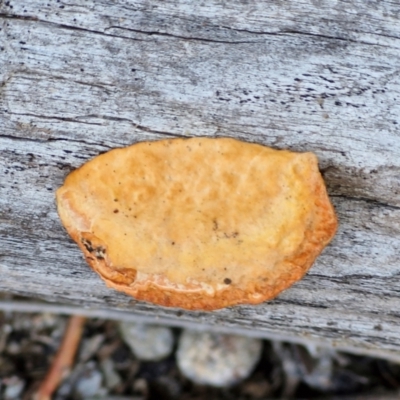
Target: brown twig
(64,358)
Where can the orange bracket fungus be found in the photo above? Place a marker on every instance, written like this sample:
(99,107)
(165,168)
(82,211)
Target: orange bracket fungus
(198,223)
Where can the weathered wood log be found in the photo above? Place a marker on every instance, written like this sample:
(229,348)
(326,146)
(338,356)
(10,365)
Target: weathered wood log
(323,76)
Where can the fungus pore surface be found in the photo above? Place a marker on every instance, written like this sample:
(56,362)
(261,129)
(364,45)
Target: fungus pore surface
(198,223)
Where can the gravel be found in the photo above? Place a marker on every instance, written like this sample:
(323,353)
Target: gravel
(13,387)
(147,342)
(215,359)
(201,366)
(111,377)
(89,383)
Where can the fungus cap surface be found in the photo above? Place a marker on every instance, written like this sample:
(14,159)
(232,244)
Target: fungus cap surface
(198,223)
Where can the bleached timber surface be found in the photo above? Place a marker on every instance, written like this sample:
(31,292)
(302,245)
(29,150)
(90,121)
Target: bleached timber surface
(79,78)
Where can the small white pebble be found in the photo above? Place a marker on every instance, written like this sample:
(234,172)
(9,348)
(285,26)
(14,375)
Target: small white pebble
(147,342)
(111,377)
(215,359)
(89,383)
(14,387)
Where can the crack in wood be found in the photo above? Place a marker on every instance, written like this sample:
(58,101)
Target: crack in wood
(63,26)
(53,139)
(54,117)
(367,200)
(157,33)
(282,32)
(105,117)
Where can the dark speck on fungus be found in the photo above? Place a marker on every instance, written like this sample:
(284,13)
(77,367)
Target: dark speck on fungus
(87,245)
(227,281)
(100,252)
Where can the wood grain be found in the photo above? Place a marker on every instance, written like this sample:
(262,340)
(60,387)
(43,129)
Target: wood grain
(77,79)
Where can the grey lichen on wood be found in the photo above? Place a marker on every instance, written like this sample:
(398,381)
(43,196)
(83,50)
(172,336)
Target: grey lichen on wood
(323,76)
